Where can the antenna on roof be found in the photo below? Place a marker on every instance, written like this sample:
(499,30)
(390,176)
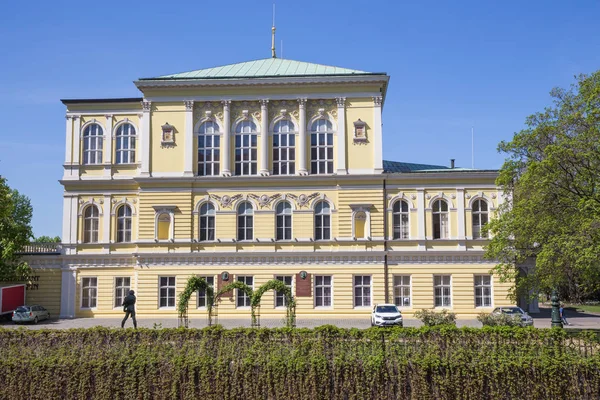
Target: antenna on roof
(273,55)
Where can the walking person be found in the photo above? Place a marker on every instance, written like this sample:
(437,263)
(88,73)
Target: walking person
(563,317)
(129,309)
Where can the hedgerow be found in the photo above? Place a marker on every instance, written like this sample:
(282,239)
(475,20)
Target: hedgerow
(322,363)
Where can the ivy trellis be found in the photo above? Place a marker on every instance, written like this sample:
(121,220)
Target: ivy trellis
(196,283)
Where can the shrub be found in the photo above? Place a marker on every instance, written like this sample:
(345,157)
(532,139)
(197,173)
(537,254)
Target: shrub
(432,318)
(501,319)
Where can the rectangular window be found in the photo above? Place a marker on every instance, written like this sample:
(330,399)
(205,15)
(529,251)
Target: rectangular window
(280,297)
(362,291)
(122,287)
(284,153)
(202,293)
(243,300)
(323,291)
(89,292)
(321,153)
(167,291)
(402,290)
(208,154)
(442,290)
(483,290)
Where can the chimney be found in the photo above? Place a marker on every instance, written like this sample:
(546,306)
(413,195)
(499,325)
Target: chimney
(452,163)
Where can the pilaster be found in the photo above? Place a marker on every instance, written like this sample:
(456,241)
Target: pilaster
(188,155)
(76,139)
(145,138)
(69,140)
(108,149)
(226,149)
(460,210)
(301,142)
(264,137)
(421,218)
(377,138)
(106,217)
(67,294)
(341,136)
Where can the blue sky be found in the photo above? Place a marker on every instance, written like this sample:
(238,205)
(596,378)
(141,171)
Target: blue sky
(452,65)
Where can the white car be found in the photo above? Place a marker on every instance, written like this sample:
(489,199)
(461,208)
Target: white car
(30,314)
(386,315)
(516,312)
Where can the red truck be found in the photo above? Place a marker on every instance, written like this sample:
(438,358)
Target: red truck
(11,297)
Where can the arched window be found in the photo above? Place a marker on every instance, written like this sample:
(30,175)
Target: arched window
(400,219)
(125,144)
(321,147)
(322,221)
(245,148)
(92,144)
(164,226)
(208,149)
(245,221)
(284,153)
(207,222)
(440,220)
(283,213)
(91,218)
(124,222)
(480,218)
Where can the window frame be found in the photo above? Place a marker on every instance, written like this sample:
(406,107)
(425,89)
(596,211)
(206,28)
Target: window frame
(123,288)
(286,226)
(91,225)
(481,288)
(480,215)
(210,279)
(89,288)
(288,150)
(323,287)
(128,151)
(320,160)
(362,286)
(167,287)
(402,287)
(204,219)
(251,147)
(97,139)
(280,296)
(444,226)
(121,225)
(321,216)
(240,294)
(400,228)
(213,166)
(245,218)
(442,286)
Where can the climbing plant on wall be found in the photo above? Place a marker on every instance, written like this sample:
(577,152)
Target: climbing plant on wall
(195,284)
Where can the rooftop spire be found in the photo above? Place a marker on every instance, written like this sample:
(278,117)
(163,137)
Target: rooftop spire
(273,55)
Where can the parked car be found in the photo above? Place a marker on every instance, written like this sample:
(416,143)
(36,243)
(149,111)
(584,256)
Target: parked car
(30,314)
(386,315)
(526,319)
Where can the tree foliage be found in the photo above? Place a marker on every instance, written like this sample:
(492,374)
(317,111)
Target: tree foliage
(15,230)
(551,179)
(47,239)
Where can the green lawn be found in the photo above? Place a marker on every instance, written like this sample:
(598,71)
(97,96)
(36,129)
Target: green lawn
(585,307)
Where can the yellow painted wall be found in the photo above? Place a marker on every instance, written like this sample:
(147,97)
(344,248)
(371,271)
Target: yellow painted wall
(44,290)
(359,156)
(183,212)
(167,159)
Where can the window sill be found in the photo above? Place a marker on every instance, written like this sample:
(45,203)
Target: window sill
(243,308)
(88,308)
(324,307)
(363,307)
(442,308)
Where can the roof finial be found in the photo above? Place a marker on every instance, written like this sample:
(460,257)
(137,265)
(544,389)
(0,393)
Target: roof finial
(273,55)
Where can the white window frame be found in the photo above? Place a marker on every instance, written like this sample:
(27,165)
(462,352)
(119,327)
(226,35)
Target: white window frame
(167,287)
(400,290)
(170,211)
(121,290)
(444,219)
(285,217)
(479,287)
(322,216)
(93,142)
(477,212)
(125,142)
(122,229)
(284,156)
(400,220)
(362,287)
(91,224)
(92,292)
(208,131)
(246,133)
(240,294)
(442,286)
(206,212)
(323,286)
(247,220)
(281,296)
(210,279)
(321,153)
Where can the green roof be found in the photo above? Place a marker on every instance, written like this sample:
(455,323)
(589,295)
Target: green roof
(268,67)
(404,167)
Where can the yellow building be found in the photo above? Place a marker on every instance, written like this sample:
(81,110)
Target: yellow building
(254,171)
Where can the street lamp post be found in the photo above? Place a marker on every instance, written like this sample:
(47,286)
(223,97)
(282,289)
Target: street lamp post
(556,320)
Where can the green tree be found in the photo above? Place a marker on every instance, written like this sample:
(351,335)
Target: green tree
(15,230)
(47,239)
(551,179)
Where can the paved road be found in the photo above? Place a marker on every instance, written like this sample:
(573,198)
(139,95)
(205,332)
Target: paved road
(541,320)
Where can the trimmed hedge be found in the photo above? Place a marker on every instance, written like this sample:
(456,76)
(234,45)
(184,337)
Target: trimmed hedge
(323,363)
